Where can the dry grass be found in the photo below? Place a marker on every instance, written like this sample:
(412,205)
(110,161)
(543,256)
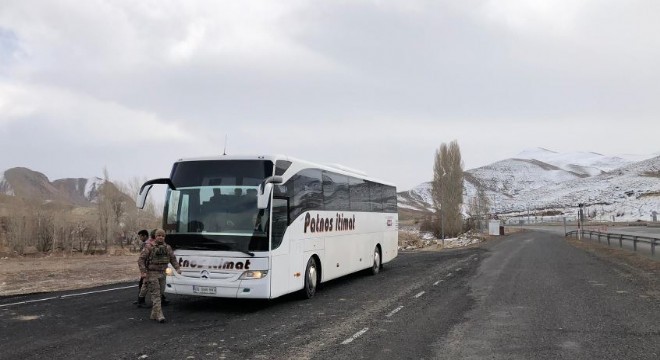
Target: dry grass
(25,275)
(409,239)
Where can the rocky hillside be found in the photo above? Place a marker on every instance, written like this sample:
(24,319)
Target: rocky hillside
(25,183)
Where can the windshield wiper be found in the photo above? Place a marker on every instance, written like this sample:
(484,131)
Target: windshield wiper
(211,248)
(192,247)
(247,252)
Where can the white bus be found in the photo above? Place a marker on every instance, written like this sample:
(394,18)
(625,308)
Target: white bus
(264,226)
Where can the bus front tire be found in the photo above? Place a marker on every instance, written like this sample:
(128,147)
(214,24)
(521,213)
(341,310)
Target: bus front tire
(311,279)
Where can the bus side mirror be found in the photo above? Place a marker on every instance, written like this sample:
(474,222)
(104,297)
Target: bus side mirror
(264,195)
(144,190)
(265,189)
(142,196)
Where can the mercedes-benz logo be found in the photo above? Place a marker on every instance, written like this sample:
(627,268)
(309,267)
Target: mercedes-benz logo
(205,274)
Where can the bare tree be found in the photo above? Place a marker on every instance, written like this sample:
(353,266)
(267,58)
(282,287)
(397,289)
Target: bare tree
(119,214)
(87,235)
(150,211)
(478,208)
(45,230)
(136,219)
(447,189)
(38,225)
(104,210)
(22,225)
(118,202)
(18,229)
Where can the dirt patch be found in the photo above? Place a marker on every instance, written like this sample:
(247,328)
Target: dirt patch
(25,275)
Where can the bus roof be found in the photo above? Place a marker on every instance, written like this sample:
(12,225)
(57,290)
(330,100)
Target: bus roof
(341,169)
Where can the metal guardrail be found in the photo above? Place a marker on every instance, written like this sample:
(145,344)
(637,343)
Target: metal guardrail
(620,238)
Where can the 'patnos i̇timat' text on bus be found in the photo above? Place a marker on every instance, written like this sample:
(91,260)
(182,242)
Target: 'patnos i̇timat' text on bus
(323,224)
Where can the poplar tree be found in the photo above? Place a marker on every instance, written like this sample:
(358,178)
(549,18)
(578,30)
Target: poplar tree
(478,207)
(104,210)
(447,190)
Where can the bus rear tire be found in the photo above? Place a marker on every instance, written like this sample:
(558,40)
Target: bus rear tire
(378,263)
(311,279)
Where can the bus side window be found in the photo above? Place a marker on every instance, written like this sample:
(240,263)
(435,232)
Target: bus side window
(307,192)
(280,220)
(359,194)
(335,191)
(389,201)
(375,196)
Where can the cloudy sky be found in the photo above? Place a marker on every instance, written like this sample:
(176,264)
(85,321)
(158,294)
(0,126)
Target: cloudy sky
(378,85)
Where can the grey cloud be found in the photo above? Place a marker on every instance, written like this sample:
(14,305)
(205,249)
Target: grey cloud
(422,72)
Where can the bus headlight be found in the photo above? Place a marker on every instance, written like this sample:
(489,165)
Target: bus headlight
(169,271)
(253,275)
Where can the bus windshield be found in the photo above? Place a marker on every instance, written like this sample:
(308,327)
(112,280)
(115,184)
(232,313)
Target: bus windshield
(214,206)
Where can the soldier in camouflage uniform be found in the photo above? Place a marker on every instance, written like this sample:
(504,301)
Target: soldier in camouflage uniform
(152,262)
(141,301)
(144,236)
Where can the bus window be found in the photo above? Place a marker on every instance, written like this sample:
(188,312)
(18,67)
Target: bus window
(306,192)
(376,197)
(173,209)
(359,194)
(182,226)
(281,166)
(280,221)
(389,201)
(335,191)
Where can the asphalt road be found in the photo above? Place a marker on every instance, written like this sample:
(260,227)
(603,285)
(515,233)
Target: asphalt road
(652,231)
(524,296)
(643,247)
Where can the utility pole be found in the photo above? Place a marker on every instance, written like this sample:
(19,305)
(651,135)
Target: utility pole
(494,203)
(527,214)
(442,226)
(580,220)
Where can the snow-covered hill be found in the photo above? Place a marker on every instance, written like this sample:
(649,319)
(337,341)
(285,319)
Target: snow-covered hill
(583,163)
(5,187)
(510,177)
(26,183)
(538,182)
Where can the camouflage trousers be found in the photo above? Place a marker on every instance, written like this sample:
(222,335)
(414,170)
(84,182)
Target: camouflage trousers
(145,288)
(155,281)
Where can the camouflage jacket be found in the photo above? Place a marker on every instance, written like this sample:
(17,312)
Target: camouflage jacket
(155,257)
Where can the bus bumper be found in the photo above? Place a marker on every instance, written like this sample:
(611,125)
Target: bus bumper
(244,289)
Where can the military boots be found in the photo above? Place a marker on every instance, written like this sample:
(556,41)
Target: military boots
(141,302)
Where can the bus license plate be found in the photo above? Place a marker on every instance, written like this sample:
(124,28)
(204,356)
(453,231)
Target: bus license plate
(203,289)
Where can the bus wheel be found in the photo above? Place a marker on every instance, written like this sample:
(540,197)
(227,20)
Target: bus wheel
(375,267)
(311,279)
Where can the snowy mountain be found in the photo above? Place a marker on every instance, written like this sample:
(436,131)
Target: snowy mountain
(26,183)
(582,163)
(539,182)
(5,188)
(80,190)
